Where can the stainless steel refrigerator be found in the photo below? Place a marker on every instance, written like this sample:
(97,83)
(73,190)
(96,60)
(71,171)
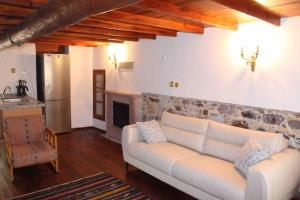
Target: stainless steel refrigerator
(53,85)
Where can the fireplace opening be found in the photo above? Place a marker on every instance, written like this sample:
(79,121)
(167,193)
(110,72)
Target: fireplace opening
(120,114)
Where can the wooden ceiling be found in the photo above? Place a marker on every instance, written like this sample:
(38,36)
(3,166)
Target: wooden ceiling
(149,19)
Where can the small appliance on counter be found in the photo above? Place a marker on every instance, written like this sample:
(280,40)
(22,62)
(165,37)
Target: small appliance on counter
(22,89)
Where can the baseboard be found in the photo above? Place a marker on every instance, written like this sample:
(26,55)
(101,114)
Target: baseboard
(111,139)
(80,128)
(104,131)
(88,127)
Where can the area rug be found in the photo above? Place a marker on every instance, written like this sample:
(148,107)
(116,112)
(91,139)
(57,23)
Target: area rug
(100,186)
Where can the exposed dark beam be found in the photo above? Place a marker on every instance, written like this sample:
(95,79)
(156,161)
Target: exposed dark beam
(56,15)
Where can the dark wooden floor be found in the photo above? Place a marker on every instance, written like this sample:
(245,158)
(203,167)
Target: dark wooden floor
(82,153)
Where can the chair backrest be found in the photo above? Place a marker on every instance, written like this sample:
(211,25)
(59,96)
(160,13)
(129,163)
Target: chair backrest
(25,129)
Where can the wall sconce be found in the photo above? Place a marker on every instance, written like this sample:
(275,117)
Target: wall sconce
(116,54)
(113,60)
(251,60)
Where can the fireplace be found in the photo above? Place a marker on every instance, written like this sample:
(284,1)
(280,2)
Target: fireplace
(120,114)
(122,109)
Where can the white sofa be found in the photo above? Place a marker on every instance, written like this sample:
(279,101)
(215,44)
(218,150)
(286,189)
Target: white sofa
(198,159)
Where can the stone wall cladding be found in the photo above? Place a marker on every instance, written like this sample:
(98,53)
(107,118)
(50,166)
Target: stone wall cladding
(261,119)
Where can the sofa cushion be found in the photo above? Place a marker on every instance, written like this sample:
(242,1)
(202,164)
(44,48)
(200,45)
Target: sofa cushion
(212,175)
(160,156)
(225,142)
(184,138)
(252,153)
(185,131)
(190,124)
(151,132)
(32,153)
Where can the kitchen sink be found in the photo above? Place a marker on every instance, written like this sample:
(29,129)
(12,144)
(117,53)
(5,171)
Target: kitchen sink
(10,99)
(13,100)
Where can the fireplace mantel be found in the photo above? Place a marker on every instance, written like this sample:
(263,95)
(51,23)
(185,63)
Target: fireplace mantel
(135,108)
(123,93)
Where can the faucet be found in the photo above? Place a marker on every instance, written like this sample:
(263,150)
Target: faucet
(4,91)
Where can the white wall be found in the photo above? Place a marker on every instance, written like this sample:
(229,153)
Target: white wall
(81,62)
(23,59)
(209,66)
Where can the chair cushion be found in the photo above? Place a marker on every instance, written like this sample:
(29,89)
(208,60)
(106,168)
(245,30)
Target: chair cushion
(225,142)
(22,130)
(185,131)
(160,156)
(212,175)
(32,153)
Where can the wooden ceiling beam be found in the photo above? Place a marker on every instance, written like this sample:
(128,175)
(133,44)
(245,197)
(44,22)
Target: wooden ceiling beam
(93,36)
(67,42)
(178,12)
(61,37)
(26,3)
(13,10)
(9,21)
(110,32)
(126,17)
(252,8)
(6,20)
(79,44)
(48,48)
(94,22)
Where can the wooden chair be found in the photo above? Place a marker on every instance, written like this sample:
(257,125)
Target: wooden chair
(28,142)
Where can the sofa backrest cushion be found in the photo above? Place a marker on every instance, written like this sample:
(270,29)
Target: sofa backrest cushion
(225,142)
(184,138)
(185,131)
(191,124)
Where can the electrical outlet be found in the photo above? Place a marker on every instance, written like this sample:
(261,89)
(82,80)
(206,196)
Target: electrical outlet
(13,70)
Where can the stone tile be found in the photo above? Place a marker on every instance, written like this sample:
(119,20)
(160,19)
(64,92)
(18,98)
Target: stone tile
(262,119)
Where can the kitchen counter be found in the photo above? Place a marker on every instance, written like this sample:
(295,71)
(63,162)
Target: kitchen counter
(26,102)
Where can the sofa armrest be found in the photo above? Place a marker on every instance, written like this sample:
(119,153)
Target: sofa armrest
(276,178)
(130,134)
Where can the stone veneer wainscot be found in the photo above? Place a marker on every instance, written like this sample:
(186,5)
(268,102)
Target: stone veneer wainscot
(237,115)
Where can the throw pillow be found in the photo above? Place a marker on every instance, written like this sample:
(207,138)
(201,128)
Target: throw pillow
(151,132)
(251,153)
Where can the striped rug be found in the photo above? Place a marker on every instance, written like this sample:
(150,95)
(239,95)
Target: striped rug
(100,186)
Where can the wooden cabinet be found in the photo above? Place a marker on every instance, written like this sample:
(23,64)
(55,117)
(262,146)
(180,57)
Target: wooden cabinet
(19,112)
